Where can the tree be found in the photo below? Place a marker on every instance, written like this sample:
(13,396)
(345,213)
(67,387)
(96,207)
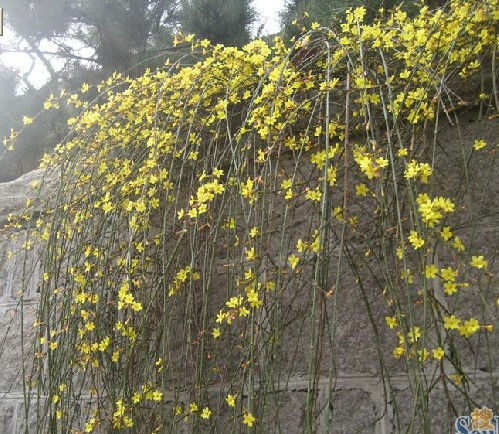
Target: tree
(220,21)
(116,35)
(120,32)
(324,11)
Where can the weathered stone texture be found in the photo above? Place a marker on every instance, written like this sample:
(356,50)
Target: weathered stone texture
(361,402)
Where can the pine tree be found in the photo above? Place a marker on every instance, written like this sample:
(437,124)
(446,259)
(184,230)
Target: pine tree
(225,22)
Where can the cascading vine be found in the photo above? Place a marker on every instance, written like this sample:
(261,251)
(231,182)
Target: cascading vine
(210,219)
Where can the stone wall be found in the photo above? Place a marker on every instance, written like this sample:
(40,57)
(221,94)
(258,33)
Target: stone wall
(364,400)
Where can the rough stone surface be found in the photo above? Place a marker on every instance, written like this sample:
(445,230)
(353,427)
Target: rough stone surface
(362,402)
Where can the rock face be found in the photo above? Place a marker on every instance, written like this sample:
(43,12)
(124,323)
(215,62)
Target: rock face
(362,400)
(13,194)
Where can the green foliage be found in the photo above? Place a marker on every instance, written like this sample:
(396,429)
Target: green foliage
(220,21)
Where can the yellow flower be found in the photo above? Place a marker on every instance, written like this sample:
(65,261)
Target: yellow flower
(478,262)
(438,353)
(361,190)
(218,172)
(248,419)
(206,413)
(457,244)
(314,195)
(231,400)
(287,183)
(415,240)
(450,288)
(398,352)
(216,332)
(157,395)
(446,233)
(391,321)
(451,322)
(293,261)
(251,254)
(448,274)
(469,327)
(193,407)
(423,355)
(431,271)
(254,232)
(414,334)
(253,299)
(479,144)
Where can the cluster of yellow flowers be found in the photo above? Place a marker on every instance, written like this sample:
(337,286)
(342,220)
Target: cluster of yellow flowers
(168,171)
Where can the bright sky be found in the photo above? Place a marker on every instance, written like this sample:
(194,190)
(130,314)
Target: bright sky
(268,12)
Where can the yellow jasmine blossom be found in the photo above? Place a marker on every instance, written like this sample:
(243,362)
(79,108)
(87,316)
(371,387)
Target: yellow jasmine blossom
(391,321)
(431,271)
(446,233)
(415,240)
(438,353)
(248,419)
(206,413)
(457,244)
(448,274)
(361,190)
(469,327)
(216,332)
(157,395)
(450,288)
(451,322)
(414,334)
(478,262)
(293,261)
(423,355)
(254,232)
(251,254)
(314,195)
(231,400)
(479,144)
